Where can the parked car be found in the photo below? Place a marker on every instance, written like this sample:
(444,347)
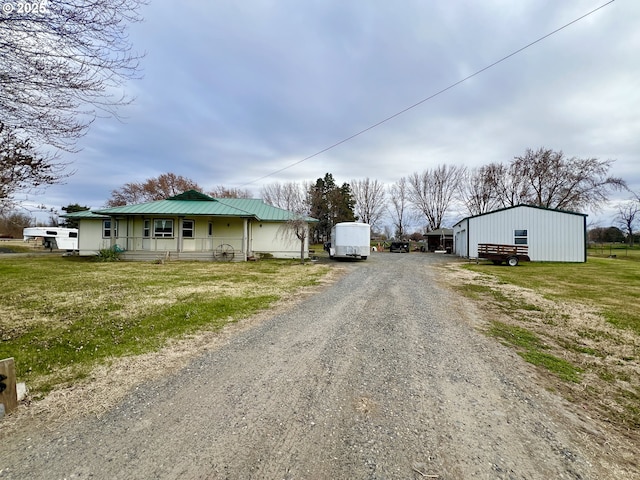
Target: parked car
(401,247)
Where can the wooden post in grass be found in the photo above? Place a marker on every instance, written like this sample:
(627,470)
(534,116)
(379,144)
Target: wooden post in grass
(8,392)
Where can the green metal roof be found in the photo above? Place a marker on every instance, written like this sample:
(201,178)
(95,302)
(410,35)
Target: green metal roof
(174,207)
(262,211)
(193,203)
(83,214)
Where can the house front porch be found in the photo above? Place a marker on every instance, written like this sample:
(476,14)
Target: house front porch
(223,249)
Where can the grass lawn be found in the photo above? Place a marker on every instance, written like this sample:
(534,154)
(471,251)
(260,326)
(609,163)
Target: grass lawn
(64,315)
(611,286)
(578,321)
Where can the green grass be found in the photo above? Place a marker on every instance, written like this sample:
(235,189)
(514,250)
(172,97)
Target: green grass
(63,316)
(563,369)
(598,356)
(611,286)
(531,348)
(516,336)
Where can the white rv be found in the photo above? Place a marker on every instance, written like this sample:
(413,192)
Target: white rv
(350,240)
(54,238)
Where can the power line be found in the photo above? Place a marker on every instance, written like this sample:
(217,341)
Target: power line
(440,92)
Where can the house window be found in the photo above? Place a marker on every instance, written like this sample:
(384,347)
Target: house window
(163,228)
(106,229)
(520,237)
(210,229)
(187,228)
(146,229)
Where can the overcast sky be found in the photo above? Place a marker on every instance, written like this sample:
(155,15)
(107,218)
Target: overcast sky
(234,91)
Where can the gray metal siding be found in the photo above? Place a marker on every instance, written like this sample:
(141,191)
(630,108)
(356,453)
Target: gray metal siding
(460,246)
(552,235)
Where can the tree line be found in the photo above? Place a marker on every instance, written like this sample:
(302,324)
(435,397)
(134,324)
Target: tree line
(430,199)
(433,198)
(424,200)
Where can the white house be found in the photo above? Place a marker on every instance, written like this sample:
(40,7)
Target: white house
(191,226)
(550,235)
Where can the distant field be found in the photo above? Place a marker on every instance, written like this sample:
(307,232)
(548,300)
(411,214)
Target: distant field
(617,249)
(19,246)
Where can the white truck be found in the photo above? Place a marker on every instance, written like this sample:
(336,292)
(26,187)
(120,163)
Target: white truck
(54,238)
(350,240)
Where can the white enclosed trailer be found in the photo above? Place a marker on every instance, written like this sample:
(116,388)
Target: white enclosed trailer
(57,238)
(350,240)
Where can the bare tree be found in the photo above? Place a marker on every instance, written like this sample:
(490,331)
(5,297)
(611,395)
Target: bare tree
(479,189)
(549,179)
(293,197)
(299,227)
(432,192)
(510,188)
(23,170)
(399,206)
(159,188)
(12,224)
(289,196)
(224,192)
(370,197)
(62,64)
(627,217)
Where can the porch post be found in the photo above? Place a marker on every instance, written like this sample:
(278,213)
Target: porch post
(130,230)
(179,226)
(112,238)
(245,239)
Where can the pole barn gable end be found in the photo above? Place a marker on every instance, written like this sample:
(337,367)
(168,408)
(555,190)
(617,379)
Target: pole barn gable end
(551,235)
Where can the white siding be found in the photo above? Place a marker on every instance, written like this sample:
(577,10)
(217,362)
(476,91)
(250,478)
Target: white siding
(90,240)
(225,231)
(241,234)
(460,246)
(552,235)
(276,239)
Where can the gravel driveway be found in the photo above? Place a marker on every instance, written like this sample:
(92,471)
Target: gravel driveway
(379,376)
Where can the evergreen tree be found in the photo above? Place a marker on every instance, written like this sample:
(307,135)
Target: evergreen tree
(330,204)
(344,205)
(72,208)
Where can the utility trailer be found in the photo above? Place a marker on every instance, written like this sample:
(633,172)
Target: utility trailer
(54,238)
(350,240)
(497,253)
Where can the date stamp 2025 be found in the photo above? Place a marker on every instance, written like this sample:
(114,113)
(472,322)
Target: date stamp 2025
(22,8)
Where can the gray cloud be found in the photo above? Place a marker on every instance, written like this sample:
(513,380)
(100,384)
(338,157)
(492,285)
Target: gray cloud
(234,91)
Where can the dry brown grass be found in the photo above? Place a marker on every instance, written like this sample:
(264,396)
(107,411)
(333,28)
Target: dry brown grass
(608,356)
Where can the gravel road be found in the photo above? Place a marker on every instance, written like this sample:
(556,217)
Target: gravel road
(379,376)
